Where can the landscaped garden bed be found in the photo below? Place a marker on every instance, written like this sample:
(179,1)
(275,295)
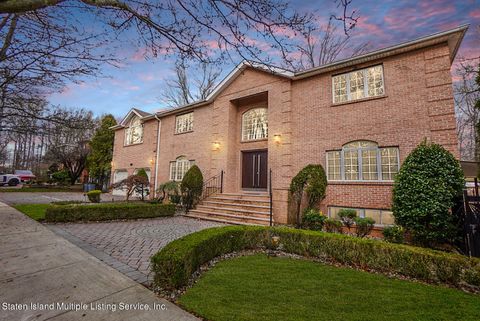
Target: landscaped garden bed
(174,265)
(261,287)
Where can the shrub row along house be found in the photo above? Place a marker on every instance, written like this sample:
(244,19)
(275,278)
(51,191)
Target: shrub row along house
(359,118)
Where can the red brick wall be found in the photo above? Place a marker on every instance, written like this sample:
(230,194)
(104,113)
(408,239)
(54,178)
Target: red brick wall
(418,104)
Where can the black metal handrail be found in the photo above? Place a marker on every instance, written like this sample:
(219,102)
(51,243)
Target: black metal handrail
(271,196)
(213,185)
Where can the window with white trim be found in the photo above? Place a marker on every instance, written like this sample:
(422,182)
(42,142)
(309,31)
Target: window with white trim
(362,161)
(381,217)
(255,124)
(184,123)
(134,131)
(179,167)
(358,84)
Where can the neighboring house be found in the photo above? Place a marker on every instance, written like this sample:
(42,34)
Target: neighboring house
(358,117)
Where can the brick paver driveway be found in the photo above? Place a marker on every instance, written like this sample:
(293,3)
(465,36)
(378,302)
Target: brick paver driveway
(127,246)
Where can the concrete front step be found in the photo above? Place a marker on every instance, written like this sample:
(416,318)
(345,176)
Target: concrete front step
(248,207)
(248,201)
(215,219)
(233,211)
(229,218)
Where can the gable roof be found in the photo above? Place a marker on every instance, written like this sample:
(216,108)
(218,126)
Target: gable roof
(453,37)
(132,112)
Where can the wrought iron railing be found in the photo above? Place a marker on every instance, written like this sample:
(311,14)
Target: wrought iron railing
(270,194)
(213,185)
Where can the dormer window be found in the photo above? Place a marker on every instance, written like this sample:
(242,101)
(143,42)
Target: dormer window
(134,131)
(358,84)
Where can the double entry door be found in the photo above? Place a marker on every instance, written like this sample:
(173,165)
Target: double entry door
(254,169)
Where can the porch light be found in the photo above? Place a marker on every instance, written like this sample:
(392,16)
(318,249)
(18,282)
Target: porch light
(215,145)
(277,138)
(151,161)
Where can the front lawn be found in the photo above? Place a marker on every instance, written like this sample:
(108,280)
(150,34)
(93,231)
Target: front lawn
(261,288)
(34,211)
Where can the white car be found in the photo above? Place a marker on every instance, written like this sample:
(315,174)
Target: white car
(9,179)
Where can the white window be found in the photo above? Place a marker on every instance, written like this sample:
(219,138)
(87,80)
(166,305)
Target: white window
(364,161)
(358,84)
(255,124)
(381,217)
(179,167)
(134,132)
(184,123)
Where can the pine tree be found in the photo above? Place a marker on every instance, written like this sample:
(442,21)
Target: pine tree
(100,158)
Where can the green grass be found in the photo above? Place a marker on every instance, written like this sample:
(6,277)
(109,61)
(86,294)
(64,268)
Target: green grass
(261,288)
(39,190)
(34,211)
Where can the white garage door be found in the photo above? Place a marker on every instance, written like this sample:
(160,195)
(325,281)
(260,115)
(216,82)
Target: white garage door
(117,177)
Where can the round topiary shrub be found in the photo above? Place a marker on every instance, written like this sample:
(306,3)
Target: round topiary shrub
(191,187)
(425,190)
(94,196)
(312,181)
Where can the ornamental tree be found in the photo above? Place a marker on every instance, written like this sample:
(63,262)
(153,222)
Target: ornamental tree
(312,181)
(425,190)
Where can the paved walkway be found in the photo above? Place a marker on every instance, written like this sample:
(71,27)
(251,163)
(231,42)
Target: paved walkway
(48,197)
(127,246)
(39,267)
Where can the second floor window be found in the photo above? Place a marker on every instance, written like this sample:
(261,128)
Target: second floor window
(184,123)
(363,83)
(255,124)
(179,167)
(134,132)
(362,161)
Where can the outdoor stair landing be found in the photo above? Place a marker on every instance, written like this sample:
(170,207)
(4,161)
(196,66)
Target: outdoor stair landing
(234,208)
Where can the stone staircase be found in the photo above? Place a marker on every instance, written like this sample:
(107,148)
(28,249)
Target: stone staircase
(234,208)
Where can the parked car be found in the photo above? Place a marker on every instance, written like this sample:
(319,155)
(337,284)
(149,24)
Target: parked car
(25,175)
(9,179)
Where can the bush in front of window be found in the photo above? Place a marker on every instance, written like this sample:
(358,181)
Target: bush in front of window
(332,226)
(425,190)
(169,191)
(312,181)
(394,234)
(347,217)
(313,219)
(191,187)
(94,196)
(364,226)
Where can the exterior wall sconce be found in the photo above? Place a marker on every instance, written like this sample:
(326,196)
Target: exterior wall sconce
(215,146)
(151,161)
(277,138)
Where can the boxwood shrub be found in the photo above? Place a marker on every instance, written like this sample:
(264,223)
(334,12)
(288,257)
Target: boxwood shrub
(175,263)
(102,212)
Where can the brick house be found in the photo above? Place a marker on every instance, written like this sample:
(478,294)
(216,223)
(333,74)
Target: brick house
(359,118)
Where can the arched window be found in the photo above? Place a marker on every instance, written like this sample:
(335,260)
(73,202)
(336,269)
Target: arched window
(134,131)
(363,160)
(179,167)
(255,124)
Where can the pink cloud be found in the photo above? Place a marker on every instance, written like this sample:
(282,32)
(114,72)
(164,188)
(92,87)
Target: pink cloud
(475,14)
(370,28)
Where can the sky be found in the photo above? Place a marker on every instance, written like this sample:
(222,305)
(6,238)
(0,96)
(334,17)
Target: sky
(139,81)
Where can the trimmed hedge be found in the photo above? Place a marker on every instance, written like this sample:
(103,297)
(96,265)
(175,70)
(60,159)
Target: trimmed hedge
(104,212)
(175,263)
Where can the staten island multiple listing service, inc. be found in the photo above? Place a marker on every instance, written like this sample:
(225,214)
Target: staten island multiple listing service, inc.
(73,306)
